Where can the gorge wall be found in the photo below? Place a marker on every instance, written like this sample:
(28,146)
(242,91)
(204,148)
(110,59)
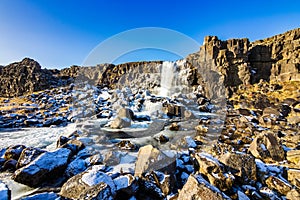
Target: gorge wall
(231,63)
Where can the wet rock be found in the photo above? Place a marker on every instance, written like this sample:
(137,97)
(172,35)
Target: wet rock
(293,176)
(266,147)
(47,165)
(119,123)
(277,184)
(28,155)
(127,145)
(174,127)
(241,165)
(173,110)
(293,156)
(197,187)
(5,193)
(90,181)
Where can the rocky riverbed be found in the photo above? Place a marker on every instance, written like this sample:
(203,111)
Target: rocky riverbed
(256,156)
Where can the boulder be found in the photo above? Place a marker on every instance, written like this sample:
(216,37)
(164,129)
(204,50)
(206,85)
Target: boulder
(47,166)
(28,155)
(150,158)
(241,165)
(90,182)
(119,123)
(279,185)
(197,187)
(147,190)
(125,112)
(126,186)
(266,147)
(213,170)
(293,176)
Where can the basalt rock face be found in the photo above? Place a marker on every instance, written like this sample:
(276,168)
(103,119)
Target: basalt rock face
(240,62)
(24,77)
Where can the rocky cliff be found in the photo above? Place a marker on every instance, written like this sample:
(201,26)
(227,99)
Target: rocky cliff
(241,62)
(229,63)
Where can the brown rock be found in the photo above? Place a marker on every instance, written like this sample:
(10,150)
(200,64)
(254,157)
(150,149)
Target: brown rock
(212,169)
(174,127)
(28,155)
(197,188)
(293,195)
(294,177)
(119,123)
(293,156)
(266,147)
(277,184)
(242,166)
(150,158)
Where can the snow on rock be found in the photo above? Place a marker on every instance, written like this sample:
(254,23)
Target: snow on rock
(42,196)
(4,191)
(47,165)
(93,182)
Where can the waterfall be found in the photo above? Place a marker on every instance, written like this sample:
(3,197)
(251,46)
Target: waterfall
(167,78)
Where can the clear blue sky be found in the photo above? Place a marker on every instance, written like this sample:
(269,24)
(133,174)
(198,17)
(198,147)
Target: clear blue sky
(59,33)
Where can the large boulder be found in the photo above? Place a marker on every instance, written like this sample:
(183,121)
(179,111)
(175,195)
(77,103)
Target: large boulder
(92,182)
(197,187)
(266,147)
(47,166)
(241,165)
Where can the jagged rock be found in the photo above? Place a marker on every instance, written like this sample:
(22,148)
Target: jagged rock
(145,154)
(148,191)
(293,176)
(266,147)
(165,182)
(126,186)
(47,165)
(212,169)
(5,193)
(293,156)
(241,165)
(74,145)
(276,183)
(28,155)
(92,181)
(99,191)
(197,187)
